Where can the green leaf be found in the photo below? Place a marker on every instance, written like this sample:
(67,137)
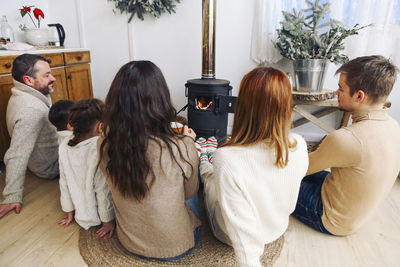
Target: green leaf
(298,37)
(141,7)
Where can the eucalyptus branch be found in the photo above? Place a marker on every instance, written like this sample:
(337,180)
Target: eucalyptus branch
(298,38)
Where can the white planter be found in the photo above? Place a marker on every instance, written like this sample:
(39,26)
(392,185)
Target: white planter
(37,36)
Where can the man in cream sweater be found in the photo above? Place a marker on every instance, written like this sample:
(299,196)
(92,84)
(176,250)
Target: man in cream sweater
(33,138)
(364,158)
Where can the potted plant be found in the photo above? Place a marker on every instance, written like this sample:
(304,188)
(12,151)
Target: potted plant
(37,35)
(299,40)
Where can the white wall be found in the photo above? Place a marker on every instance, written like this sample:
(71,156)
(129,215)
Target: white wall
(92,24)
(173,42)
(58,10)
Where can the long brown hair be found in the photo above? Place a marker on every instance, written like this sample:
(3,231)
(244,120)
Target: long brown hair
(138,108)
(264,112)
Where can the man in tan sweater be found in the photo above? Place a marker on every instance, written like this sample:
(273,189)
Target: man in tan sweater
(364,157)
(33,138)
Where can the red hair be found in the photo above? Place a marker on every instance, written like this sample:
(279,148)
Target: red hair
(264,112)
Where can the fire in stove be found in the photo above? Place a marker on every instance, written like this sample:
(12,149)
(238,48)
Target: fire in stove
(204,103)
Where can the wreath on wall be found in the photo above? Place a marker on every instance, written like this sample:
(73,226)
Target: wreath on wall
(140,7)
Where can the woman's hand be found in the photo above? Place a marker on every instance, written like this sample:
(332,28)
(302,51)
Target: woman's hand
(189,132)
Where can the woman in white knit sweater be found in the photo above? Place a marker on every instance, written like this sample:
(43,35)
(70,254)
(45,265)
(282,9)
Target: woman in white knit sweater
(252,186)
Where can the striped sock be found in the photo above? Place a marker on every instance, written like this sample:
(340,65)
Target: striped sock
(211,146)
(201,148)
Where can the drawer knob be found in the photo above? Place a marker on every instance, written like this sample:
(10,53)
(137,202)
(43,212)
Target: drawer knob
(69,77)
(8,65)
(79,58)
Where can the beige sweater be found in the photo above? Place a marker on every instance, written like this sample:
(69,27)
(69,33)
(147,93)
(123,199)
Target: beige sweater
(160,225)
(364,159)
(33,140)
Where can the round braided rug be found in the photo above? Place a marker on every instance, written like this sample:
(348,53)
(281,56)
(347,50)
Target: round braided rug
(208,252)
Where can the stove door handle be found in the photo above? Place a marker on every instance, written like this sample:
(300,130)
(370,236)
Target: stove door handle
(224,103)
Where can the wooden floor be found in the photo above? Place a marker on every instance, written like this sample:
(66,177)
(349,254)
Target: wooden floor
(33,238)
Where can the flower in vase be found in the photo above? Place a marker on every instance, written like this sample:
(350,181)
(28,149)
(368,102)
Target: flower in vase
(37,13)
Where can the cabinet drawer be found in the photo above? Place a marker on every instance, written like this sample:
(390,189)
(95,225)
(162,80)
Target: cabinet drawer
(77,57)
(6,64)
(55,60)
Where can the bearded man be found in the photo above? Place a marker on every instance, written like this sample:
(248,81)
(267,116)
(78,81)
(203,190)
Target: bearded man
(33,138)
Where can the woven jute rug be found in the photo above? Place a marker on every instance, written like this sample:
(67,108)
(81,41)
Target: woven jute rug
(208,252)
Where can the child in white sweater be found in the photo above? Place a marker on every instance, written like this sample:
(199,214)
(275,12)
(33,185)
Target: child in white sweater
(85,196)
(253,183)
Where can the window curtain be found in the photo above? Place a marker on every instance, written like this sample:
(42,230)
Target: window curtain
(268,14)
(381,38)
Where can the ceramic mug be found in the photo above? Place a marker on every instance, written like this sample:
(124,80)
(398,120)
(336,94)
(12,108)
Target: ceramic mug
(177,127)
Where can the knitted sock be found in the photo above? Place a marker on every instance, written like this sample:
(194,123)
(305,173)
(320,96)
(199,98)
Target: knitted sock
(201,146)
(211,145)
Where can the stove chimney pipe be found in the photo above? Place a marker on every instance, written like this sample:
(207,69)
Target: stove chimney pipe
(208,61)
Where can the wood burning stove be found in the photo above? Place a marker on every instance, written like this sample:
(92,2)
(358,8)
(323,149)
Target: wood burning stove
(209,99)
(208,106)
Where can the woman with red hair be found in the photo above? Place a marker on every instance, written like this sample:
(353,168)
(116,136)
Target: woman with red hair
(252,185)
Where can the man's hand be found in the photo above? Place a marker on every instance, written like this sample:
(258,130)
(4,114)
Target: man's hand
(108,227)
(66,220)
(5,208)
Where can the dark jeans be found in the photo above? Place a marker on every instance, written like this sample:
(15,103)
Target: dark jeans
(309,203)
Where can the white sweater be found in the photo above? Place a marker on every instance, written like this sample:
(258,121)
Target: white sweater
(83,186)
(61,135)
(249,199)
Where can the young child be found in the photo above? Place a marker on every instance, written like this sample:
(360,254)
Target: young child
(84,192)
(58,116)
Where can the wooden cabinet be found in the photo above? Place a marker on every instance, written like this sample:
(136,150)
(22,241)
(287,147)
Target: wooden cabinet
(77,72)
(6,83)
(73,81)
(55,59)
(60,85)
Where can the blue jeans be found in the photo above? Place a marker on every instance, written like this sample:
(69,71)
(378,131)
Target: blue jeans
(309,207)
(193,205)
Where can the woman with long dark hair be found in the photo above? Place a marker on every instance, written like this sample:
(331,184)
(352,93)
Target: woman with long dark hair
(252,186)
(150,169)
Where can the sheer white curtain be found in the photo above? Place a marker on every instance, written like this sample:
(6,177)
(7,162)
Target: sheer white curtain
(381,38)
(268,14)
